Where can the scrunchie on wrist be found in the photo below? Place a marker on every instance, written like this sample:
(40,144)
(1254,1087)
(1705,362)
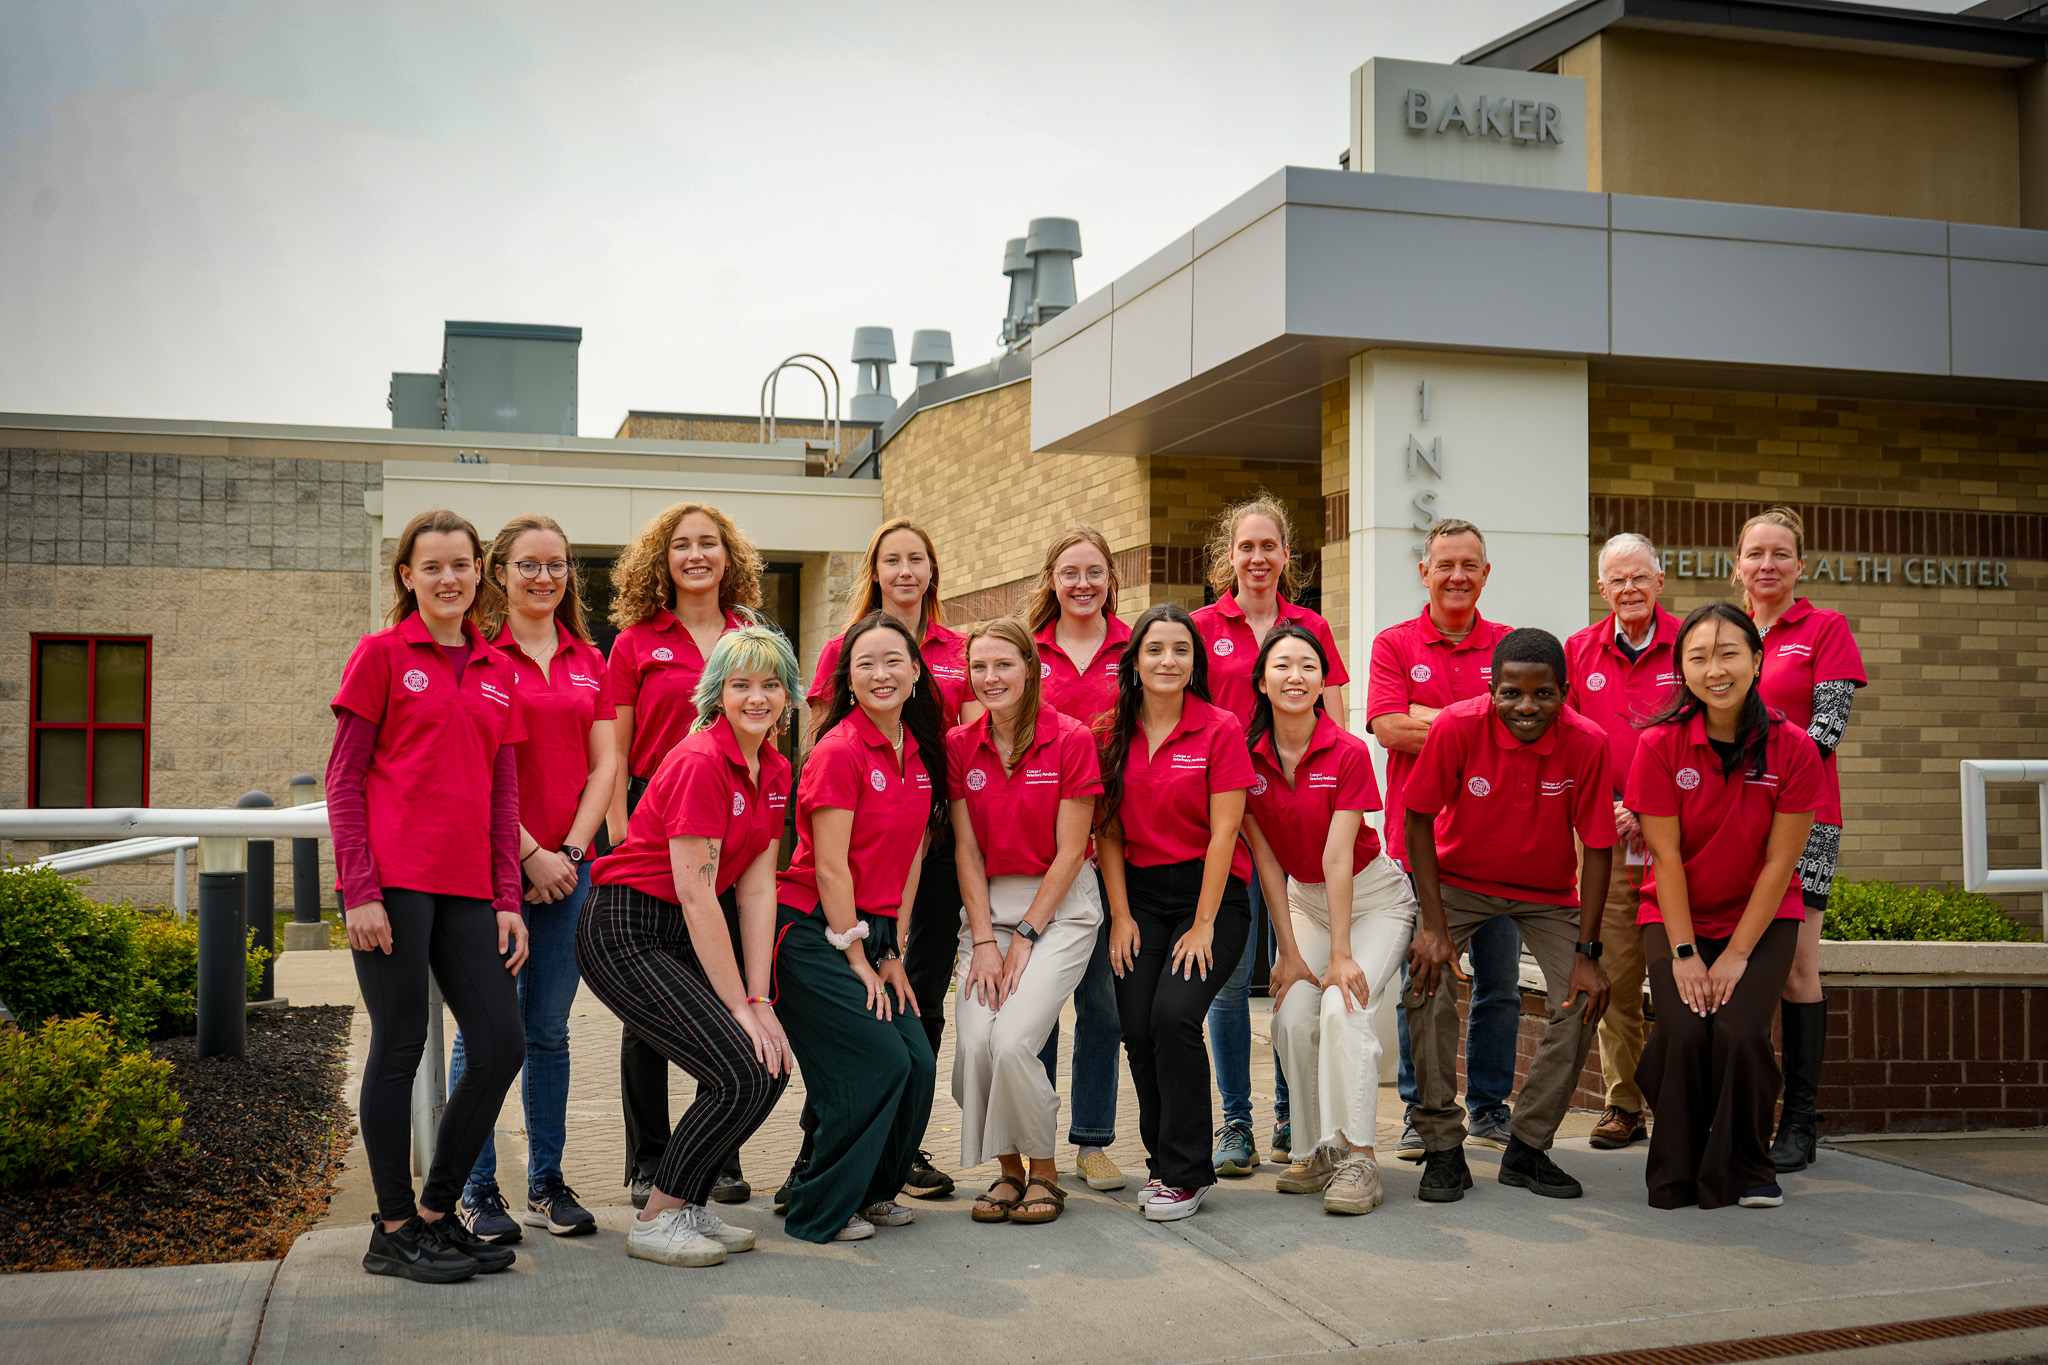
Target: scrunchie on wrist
(846,940)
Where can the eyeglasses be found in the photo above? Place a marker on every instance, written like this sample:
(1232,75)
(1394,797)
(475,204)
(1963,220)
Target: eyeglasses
(1639,583)
(1069,577)
(556,568)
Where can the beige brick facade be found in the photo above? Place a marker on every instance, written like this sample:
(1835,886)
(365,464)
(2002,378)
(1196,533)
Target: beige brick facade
(691,426)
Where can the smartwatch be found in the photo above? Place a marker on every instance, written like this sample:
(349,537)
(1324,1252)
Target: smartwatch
(1025,931)
(1591,950)
(1682,951)
(571,852)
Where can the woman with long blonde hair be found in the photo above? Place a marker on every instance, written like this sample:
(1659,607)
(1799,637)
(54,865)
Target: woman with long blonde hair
(690,576)
(1811,670)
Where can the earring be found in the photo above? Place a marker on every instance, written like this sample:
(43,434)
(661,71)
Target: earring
(913,689)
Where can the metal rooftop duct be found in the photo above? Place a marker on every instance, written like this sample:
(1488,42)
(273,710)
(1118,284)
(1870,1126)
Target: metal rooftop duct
(1017,318)
(874,351)
(1052,245)
(932,353)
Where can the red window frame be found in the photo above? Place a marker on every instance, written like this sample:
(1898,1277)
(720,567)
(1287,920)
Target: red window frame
(91,725)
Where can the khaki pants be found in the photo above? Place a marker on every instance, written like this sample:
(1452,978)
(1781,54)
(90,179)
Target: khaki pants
(1330,1052)
(1552,934)
(1621,953)
(1007,1107)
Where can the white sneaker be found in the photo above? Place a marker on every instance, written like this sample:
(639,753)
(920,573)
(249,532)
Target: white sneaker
(857,1229)
(1171,1203)
(722,1232)
(889,1214)
(671,1237)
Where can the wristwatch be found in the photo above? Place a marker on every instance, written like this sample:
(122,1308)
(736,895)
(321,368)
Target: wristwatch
(1591,950)
(1682,951)
(571,852)
(1025,931)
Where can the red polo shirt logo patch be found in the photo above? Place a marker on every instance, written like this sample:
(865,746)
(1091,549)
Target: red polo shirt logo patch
(662,655)
(1687,778)
(877,781)
(415,680)
(1259,785)
(1045,670)
(1478,786)
(976,780)
(1224,646)
(1596,682)
(739,803)
(1419,673)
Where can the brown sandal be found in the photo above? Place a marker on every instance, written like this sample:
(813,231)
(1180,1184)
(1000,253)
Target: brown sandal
(1045,1208)
(999,1209)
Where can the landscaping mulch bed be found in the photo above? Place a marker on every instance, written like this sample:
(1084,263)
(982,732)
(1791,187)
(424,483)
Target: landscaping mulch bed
(267,1134)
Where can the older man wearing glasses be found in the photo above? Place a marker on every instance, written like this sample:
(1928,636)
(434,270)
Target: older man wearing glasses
(1622,672)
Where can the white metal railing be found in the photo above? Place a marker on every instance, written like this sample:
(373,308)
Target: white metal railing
(1978,874)
(129,851)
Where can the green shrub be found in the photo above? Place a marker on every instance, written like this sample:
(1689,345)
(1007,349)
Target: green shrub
(75,1101)
(62,955)
(1886,910)
(167,978)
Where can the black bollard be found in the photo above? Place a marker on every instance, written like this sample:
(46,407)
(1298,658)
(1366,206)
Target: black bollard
(223,948)
(262,895)
(305,857)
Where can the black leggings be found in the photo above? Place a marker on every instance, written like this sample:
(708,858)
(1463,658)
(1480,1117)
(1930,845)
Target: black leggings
(928,957)
(458,938)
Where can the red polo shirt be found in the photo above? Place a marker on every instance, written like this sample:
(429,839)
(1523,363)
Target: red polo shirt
(1805,647)
(1165,807)
(945,654)
(1615,692)
(1233,652)
(854,768)
(1015,815)
(1335,774)
(701,791)
(655,666)
(427,791)
(1506,811)
(1414,663)
(1086,694)
(1724,823)
(559,707)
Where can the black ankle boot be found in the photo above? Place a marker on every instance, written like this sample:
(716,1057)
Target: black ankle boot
(1805,1029)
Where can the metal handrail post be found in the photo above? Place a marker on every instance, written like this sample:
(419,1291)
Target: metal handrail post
(429,1084)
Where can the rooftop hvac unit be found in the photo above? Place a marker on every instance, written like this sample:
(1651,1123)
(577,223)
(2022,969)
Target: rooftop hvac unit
(510,376)
(932,353)
(1017,317)
(1052,245)
(874,351)
(415,402)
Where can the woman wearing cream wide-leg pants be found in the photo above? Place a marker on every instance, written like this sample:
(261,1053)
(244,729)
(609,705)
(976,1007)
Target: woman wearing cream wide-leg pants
(1006,1103)
(1330,1051)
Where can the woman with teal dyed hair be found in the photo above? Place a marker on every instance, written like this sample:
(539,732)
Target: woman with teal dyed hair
(678,938)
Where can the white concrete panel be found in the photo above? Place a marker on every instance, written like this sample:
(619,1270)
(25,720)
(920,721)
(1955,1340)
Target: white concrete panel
(1090,310)
(1240,293)
(1449,198)
(1179,255)
(1696,298)
(1999,318)
(1415,279)
(1470,123)
(1151,341)
(1070,385)
(1764,223)
(2027,246)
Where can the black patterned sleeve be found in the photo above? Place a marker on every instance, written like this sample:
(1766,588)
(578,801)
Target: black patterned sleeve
(1831,703)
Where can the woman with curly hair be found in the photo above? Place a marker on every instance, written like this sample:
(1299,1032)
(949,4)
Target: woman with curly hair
(1252,573)
(690,576)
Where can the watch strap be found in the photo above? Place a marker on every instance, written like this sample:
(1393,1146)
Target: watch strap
(1591,950)
(1025,931)
(1682,951)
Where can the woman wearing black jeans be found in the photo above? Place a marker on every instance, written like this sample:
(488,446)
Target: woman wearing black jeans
(423,799)
(1175,773)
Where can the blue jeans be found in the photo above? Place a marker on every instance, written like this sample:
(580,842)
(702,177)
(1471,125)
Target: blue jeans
(1230,1029)
(1098,1036)
(547,987)
(1491,1026)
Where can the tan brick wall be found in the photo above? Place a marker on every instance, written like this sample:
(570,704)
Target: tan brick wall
(1955,672)
(243,664)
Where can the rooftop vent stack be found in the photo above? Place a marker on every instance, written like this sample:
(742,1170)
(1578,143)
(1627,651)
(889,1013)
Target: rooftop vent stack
(874,351)
(932,354)
(1017,265)
(1052,246)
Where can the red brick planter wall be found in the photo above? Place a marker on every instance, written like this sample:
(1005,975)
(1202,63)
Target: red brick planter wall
(1916,1059)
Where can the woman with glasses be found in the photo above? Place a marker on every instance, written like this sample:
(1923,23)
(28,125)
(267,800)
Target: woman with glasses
(535,617)
(690,576)
(1072,618)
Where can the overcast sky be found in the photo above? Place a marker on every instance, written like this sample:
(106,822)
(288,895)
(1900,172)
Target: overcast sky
(255,210)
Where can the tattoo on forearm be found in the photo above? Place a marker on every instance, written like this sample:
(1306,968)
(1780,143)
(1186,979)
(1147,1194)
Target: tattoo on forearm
(709,872)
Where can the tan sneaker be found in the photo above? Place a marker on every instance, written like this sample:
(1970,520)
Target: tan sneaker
(1618,1128)
(1306,1177)
(1355,1187)
(1099,1170)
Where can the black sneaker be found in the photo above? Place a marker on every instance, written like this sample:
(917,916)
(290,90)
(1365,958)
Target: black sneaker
(412,1254)
(643,1185)
(925,1180)
(1445,1177)
(553,1206)
(796,1169)
(482,1210)
(450,1235)
(730,1189)
(1523,1165)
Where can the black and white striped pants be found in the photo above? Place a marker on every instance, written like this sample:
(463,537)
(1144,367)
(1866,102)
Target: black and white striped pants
(634,951)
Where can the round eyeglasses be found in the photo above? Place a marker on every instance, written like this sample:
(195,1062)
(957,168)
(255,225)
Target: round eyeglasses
(556,568)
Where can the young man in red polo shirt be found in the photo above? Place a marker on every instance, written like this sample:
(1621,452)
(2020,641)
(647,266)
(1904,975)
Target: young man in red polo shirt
(1504,785)
(1623,673)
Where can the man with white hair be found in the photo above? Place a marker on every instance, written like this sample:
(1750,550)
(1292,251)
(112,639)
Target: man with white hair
(1622,672)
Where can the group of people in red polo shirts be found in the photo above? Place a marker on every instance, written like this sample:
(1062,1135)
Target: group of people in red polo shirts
(1061,807)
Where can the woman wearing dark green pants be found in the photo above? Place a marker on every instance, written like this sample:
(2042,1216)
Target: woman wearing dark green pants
(872,789)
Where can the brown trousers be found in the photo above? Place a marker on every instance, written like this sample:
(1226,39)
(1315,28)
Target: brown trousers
(1621,953)
(1551,933)
(1713,1080)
